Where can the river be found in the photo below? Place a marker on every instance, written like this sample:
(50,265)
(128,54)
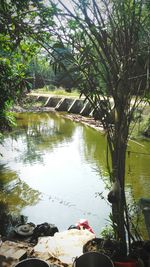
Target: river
(54,170)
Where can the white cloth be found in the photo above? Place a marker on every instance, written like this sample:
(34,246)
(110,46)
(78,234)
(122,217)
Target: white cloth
(64,245)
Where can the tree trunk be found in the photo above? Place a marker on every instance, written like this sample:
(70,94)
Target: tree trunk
(118,176)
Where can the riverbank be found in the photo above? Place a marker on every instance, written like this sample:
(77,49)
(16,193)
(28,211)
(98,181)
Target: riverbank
(35,102)
(32,105)
(58,250)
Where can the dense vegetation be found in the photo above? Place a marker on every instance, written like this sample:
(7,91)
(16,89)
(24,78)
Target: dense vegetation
(103,49)
(22,29)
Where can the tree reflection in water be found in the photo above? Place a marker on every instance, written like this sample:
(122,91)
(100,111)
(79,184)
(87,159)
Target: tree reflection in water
(41,132)
(35,134)
(15,194)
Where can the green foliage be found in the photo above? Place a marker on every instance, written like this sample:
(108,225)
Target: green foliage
(139,127)
(145,127)
(62,62)
(107,232)
(20,24)
(13,80)
(39,70)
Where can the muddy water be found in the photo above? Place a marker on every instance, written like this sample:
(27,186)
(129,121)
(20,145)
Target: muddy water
(52,170)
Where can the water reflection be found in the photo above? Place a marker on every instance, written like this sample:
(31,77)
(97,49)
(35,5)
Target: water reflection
(56,166)
(14,196)
(5,219)
(16,193)
(138,168)
(46,154)
(95,151)
(40,133)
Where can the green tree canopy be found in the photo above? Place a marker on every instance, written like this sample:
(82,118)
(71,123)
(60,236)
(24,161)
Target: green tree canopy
(21,22)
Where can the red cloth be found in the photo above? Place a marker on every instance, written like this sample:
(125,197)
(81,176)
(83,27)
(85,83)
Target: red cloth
(83,223)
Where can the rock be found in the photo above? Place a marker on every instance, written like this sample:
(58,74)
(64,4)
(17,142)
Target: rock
(44,229)
(12,250)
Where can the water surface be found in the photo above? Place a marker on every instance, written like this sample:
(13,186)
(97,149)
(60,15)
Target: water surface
(53,168)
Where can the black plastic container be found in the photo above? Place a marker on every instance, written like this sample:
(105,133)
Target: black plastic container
(32,262)
(93,259)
